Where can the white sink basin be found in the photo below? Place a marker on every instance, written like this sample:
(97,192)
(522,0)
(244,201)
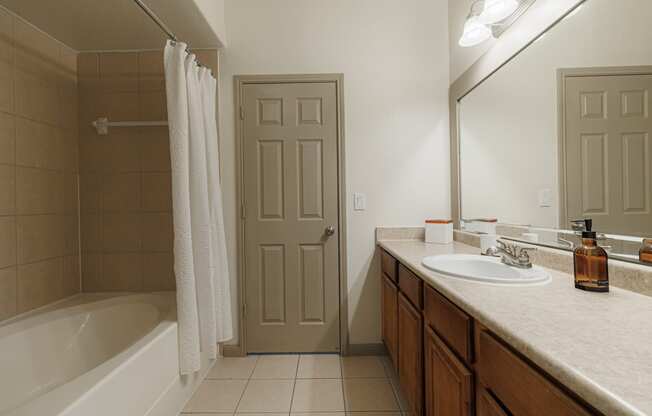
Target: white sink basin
(484,269)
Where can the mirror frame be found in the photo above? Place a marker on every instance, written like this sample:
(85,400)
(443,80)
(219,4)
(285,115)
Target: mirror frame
(532,25)
(539,19)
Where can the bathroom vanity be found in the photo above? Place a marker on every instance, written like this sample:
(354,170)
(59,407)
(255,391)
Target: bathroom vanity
(469,348)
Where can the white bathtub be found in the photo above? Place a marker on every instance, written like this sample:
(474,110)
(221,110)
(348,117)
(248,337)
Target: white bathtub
(94,355)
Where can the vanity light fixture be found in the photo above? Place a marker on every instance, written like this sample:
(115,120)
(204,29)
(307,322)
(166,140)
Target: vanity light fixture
(474,32)
(495,11)
(490,18)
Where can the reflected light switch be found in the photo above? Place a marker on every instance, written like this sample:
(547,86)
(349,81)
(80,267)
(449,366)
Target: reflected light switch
(359,202)
(545,198)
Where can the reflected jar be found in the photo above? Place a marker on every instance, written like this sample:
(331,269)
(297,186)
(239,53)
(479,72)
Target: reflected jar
(645,253)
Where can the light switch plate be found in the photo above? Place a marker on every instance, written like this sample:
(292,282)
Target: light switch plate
(359,201)
(545,198)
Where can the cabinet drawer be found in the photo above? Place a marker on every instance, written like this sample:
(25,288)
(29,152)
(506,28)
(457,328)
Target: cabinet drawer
(389,265)
(411,285)
(517,385)
(487,405)
(450,322)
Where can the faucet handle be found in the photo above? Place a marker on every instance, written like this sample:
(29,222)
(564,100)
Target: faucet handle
(525,251)
(524,256)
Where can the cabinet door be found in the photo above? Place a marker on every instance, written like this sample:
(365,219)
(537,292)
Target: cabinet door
(410,354)
(389,307)
(487,405)
(449,385)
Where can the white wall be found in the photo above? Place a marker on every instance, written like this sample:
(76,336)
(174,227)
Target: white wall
(509,122)
(394,57)
(213,11)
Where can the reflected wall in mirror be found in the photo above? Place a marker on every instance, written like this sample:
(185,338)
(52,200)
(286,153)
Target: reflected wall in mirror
(562,131)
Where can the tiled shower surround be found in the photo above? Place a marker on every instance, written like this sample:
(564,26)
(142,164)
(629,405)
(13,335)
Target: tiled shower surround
(39,232)
(125,182)
(80,211)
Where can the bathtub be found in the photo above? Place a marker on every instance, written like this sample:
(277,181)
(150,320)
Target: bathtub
(94,355)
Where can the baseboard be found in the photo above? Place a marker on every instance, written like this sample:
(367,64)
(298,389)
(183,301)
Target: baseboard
(233,351)
(367,349)
(353,349)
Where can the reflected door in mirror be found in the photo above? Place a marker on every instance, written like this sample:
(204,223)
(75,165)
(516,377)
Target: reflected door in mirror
(607,151)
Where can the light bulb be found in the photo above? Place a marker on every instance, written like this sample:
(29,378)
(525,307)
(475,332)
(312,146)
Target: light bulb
(474,32)
(496,10)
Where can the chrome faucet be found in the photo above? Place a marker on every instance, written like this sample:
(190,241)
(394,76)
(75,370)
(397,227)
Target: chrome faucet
(515,256)
(565,242)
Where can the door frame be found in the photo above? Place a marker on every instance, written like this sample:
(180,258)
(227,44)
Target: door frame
(562,75)
(239,82)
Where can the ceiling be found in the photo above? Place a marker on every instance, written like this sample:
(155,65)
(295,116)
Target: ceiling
(87,25)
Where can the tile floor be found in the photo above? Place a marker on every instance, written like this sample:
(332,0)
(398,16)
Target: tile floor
(324,385)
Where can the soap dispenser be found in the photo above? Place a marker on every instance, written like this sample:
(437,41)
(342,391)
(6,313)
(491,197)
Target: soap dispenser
(590,261)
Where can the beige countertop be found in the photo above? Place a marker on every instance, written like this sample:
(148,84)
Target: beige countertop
(599,345)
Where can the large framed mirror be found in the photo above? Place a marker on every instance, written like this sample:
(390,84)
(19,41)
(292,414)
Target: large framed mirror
(561,132)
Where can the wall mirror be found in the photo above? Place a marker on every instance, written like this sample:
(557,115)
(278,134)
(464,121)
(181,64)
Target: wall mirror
(562,132)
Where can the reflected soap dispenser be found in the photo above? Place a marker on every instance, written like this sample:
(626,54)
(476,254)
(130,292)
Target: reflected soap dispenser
(591,262)
(645,253)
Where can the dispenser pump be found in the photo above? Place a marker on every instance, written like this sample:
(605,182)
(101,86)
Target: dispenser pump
(588,233)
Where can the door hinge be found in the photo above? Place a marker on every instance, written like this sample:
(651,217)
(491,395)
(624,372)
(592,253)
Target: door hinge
(243,212)
(244,309)
(242,113)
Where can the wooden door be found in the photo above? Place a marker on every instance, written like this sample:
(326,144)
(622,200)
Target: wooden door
(410,354)
(390,318)
(449,384)
(291,217)
(608,152)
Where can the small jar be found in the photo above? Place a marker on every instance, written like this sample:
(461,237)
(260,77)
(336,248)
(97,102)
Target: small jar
(439,231)
(645,253)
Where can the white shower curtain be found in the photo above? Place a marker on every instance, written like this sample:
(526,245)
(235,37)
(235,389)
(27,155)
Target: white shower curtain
(200,263)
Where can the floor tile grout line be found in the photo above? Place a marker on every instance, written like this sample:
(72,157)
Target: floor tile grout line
(386,377)
(245,388)
(294,384)
(342,383)
(389,373)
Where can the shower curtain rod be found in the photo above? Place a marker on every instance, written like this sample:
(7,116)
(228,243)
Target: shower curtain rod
(150,13)
(156,19)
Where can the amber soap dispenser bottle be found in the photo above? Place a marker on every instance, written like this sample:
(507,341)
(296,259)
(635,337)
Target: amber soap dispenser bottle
(591,262)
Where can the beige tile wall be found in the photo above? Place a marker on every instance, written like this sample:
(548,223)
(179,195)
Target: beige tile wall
(125,185)
(39,214)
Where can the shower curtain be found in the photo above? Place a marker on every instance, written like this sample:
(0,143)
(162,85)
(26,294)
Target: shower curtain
(200,263)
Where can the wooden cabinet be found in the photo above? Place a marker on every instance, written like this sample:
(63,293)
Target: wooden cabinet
(389,309)
(449,384)
(411,286)
(410,354)
(452,365)
(389,266)
(518,386)
(487,405)
(450,322)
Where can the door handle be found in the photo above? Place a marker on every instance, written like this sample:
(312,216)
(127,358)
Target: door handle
(330,230)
